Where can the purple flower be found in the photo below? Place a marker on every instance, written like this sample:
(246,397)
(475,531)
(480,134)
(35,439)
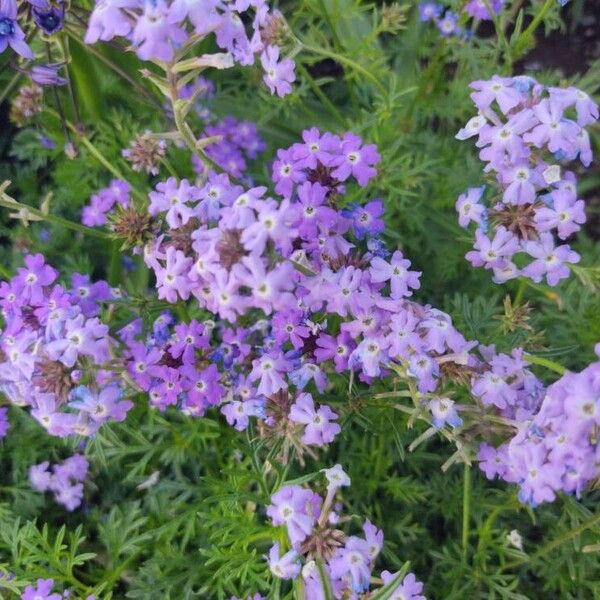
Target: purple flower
(107,404)
(336,478)
(88,294)
(550,261)
(47,74)
(81,337)
(32,278)
(374,538)
(499,89)
(448,24)
(556,132)
(269,371)
(491,461)
(109,20)
(237,413)
(268,288)
(538,479)
(444,412)
(10,32)
(565,215)
(469,207)
(49,18)
(478,9)
(189,338)
(286,173)
(339,349)
(366,219)
(488,252)
(409,589)
(286,566)
(142,364)
(370,354)
(397,273)
(311,213)
(288,326)
(40,477)
(356,160)
(172,280)
(202,14)
(4,424)
(42,591)
(315,148)
(154,34)
(320,428)
(272,224)
(172,198)
(278,74)
(94,214)
(353,560)
(295,507)
(429,11)
(503,141)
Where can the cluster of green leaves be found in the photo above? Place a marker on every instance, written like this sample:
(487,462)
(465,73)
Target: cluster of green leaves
(175,507)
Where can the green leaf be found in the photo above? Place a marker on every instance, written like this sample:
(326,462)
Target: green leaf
(86,82)
(389,588)
(325,582)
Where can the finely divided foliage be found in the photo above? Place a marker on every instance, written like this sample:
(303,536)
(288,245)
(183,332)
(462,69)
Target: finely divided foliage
(229,358)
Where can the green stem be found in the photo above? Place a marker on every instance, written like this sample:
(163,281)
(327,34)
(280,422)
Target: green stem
(9,86)
(256,466)
(500,33)
(7,202)
(520,291)
(85,141)
(595,520)
(109,63)
(114,268)
(545,362)
(466,511)
(169,167)
(185,131)
(525,38)
(321,95)
(325,582)
(348,61)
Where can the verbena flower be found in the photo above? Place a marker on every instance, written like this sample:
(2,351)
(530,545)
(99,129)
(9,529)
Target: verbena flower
(10,32)
(533,200)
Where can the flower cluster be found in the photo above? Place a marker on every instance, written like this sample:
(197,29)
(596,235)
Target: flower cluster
(103,201)
(54,342)
(158,28)
(447,21)
(323,293)
(64,480)
(503,381)
(557,448)
(312,525)
(525,130)
(239,141)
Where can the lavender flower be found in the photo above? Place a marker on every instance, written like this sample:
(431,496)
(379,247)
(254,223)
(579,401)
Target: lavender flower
(278,74)
(536,199)
(42,591)
(10,32)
